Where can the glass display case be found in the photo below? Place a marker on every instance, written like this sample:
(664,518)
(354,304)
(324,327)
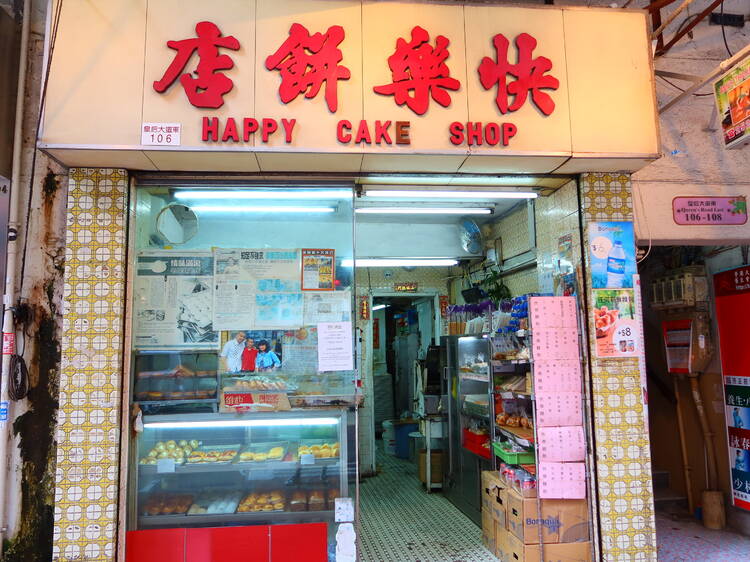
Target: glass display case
(243,388)
(467,373)
(210,470)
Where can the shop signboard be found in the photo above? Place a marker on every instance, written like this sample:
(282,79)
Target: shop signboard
(709,210)
(612,255)
(306,84)
(732,292)
(732,95)
(410,287)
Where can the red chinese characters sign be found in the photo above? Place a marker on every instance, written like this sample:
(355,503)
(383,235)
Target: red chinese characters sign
(530,75)
(419,72)
(308,63)
(208,88)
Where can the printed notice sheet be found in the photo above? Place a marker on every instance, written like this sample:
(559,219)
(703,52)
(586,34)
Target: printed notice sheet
(335,346)
(558,480)
(561,444)
(318,269)
(257,289)
(333,306)
(173,300)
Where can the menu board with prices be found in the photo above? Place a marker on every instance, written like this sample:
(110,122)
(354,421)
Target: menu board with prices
(561,441)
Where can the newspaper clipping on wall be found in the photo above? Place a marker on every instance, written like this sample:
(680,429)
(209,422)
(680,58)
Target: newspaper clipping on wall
(173,300)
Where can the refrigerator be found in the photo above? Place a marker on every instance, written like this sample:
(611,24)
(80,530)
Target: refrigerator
(467,392)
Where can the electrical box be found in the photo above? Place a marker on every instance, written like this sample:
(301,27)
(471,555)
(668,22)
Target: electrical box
(686,287)
(687,343)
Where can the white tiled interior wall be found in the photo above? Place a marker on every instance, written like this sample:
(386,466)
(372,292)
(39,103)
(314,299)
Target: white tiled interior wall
(556,216)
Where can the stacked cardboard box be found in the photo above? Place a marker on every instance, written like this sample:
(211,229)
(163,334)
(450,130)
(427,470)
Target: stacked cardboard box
(493,509)
(511,525)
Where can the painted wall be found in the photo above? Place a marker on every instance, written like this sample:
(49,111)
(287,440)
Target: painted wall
(694,161)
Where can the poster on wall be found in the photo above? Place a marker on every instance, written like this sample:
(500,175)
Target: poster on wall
(251,351)
(318,269)
(173,299)
(732,291)
(301,351)
(333,306)
(565,283)
(612,255)
(618,332)
(732,95)
(257,289)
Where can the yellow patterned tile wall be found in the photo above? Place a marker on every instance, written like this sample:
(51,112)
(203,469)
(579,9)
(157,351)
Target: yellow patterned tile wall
(623,455)
(88,436)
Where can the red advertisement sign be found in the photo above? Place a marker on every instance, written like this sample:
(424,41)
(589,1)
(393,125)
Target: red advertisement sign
(709,210)
(256,401)
(732,290)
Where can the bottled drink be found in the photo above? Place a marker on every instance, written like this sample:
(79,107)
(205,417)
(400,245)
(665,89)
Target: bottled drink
(616,266)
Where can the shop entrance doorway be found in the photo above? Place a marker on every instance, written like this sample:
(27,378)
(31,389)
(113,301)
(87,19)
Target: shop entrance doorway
(684,370)
(414,257)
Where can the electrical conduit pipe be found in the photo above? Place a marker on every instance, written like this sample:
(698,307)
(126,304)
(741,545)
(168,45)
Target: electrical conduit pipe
(10,271)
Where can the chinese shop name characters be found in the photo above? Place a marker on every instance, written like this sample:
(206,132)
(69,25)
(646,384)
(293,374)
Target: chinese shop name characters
(308,63)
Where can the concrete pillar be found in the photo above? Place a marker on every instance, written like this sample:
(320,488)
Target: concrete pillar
(622,451)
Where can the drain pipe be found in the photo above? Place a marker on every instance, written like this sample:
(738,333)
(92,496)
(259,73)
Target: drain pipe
(9,298)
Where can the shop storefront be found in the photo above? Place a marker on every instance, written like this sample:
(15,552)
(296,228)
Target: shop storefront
(235,174)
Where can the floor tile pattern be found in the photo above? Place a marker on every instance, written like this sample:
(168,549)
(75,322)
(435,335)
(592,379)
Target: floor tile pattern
(91,367)
(690,541)
(400,522)
(623,456)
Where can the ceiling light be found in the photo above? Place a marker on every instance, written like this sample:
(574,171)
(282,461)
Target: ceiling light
(379,307)
(448,179)
(484,195)
(401,262)
(259,209)
(423,211)
(241,423)
(269,194)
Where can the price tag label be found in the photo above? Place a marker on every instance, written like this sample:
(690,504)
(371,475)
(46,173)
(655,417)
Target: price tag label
(307,458)
(165,465)
(161,134)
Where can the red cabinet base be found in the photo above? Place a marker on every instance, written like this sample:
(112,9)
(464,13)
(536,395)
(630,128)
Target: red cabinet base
(272,543)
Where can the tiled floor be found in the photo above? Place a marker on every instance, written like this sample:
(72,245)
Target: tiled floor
(689,540)
(400,522)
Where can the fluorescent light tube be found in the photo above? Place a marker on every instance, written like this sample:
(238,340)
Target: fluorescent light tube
(224,194)
(241,423)
(259,209)
(379,307)
(401,262)
(483,195)
(423,211)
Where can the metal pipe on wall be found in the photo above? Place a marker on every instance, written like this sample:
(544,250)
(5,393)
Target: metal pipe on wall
(10,271)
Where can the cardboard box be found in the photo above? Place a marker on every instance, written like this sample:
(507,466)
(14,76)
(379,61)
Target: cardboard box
(562,521)
(513,550)
(494,496)
(489,537)
(501,540)
(436,466)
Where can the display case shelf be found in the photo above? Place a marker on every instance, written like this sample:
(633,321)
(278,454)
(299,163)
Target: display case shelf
(475,377)
(218,519)
(177,402)
(280,466)
(521,435)
(484,417)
